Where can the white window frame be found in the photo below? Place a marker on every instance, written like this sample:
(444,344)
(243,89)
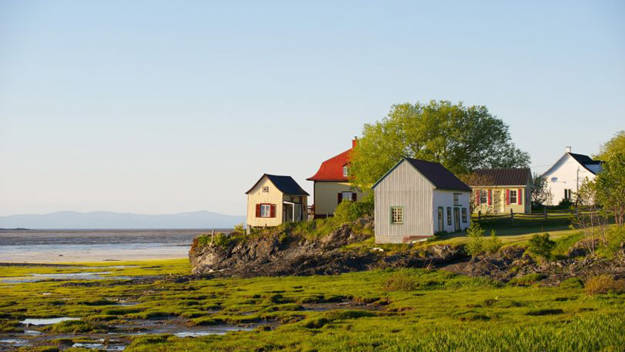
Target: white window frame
(345,171)
(513,196)
(397,215)
(265,210)
(456,198)
(346,195)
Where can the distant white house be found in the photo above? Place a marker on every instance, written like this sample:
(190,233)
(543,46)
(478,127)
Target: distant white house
(567,175)
(416,199)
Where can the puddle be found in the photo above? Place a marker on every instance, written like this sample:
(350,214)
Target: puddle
(32,333)
(14,342)
(215,330)
(44,321)
(99,346)
(64,276)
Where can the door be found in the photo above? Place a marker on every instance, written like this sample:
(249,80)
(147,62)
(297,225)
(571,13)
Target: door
(497,203)
(456,219)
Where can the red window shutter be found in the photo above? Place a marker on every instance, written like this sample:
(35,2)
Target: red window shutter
(273,210)
(477,197)
(258,210)
(353,196)
(519,193)
(507,197)
(340,198)
(490,199)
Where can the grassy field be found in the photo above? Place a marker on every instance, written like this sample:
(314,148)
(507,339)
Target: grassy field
(400,310)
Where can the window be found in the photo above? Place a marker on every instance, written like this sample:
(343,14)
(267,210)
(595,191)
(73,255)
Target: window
(483,196)
(456,198)
(343,196)
(397,215)
(345,171)
(513,199)
(266,189)
(554,179)
(265,210)
(464,215)
(440,219)
(449,216)
(567,194)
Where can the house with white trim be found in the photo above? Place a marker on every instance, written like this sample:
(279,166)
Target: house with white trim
(568,174)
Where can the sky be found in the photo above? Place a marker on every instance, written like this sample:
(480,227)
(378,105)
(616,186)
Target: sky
(172,106)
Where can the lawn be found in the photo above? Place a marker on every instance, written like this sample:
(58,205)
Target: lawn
(392,310)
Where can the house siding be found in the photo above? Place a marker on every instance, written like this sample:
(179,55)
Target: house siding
(498,201)
(445,199)
(569,174)
(407,188)
(257,196)
(326,196)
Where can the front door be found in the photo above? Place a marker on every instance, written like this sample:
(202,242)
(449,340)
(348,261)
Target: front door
(456,219)
(497,203)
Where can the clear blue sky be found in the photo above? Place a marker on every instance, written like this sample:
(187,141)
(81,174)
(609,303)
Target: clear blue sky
(168,106)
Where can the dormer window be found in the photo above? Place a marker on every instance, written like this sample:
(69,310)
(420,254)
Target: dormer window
(266,189)
(345,171)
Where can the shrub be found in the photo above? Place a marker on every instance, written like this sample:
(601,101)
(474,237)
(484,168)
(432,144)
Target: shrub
(475,246)
(239,228)
(400,282)
(604,284)
(572,282)
(492,244)
(541,245)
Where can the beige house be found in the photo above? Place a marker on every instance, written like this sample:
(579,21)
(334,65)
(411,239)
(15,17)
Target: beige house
(274,200)
(331,184)
(500,191)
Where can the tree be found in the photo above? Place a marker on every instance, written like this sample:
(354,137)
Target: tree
(541,245)
(475,246)
(610,186)
(540,192)
(614,146)
(459,137)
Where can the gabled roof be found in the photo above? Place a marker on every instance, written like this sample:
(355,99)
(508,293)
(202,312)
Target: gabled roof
(501,177)
(332,169)
(434,172)
(286,185)
(585,161)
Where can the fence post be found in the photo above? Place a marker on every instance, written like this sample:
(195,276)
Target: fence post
(545,212)
(511,215)
(479,215)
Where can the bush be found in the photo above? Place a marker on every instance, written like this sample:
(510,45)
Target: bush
(604,284)
(400,282)
(239,228)
(493,244)
(572,282)
(541,245)
(475,246)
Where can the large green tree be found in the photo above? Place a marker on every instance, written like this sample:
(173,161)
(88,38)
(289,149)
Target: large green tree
(459,137)
(614,146)
(610,186)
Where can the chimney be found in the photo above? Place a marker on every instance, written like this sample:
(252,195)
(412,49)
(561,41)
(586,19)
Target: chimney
(567,149)
(354,142)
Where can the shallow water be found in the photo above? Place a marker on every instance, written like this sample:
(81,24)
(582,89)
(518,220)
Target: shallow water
(63,276)
(45,321)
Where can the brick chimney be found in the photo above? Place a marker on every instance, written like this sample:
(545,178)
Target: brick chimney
(354,142)
(567,149)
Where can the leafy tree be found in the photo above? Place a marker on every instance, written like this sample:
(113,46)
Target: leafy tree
(614,146)
(610,186)
(541,245)
(459,137)
(540,192)
(492,244)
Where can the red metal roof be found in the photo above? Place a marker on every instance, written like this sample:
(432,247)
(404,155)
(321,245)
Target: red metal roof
(332,169)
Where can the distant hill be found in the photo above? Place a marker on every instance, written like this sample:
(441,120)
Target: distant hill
(110,220)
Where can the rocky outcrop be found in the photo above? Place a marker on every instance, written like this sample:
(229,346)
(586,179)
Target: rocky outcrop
(272,254)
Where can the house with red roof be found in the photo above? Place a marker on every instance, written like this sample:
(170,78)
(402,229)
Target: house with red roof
(332,184)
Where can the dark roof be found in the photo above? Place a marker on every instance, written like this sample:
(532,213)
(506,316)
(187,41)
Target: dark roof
(585,160)
(436,173)
(501,177)
(286,185)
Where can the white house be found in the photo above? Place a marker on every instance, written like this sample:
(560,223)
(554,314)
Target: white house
(416,199)
(566,176)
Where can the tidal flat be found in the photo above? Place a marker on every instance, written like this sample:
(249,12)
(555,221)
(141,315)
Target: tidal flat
(157,306)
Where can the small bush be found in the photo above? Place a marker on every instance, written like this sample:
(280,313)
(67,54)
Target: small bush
(239,228)
(541,245)
(527,280)
(604,284)
(475,246)
(572,282)
(400,282)
(493,244)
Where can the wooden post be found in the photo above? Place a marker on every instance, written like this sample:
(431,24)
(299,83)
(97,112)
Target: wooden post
(479,215)
(213,235)
(545,212)
(511,215)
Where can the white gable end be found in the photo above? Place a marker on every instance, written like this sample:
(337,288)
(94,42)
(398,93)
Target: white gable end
(565,177)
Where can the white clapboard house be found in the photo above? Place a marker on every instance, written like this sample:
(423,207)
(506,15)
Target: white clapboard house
(567,175)
(416,199)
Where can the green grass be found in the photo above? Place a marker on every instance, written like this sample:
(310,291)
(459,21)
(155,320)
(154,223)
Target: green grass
(389,310)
